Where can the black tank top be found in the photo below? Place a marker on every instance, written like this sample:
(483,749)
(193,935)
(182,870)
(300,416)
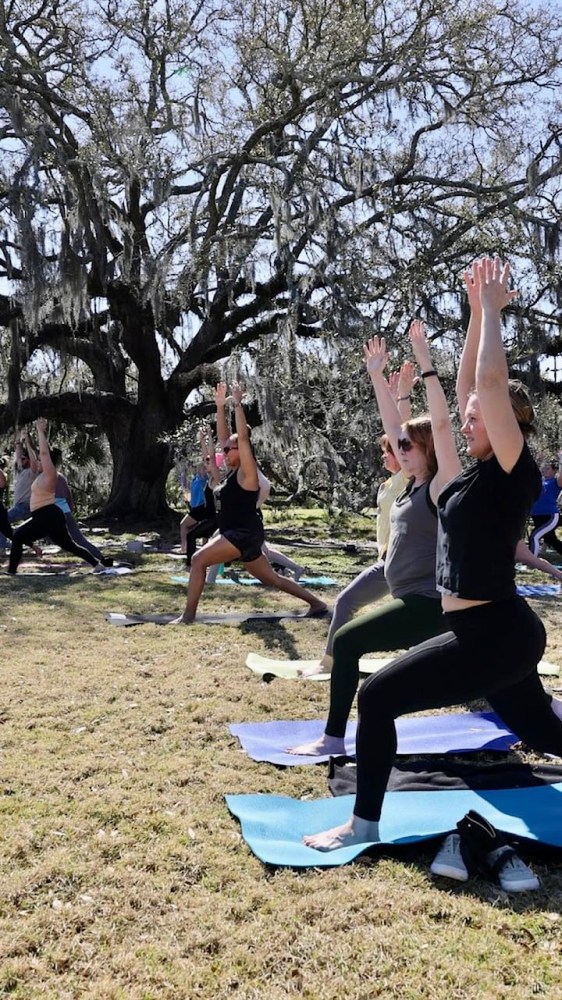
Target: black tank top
(236,508)
(209,502)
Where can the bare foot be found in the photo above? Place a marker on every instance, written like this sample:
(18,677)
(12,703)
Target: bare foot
(182,621)
(313,670)
(324,666)
(331,745)
(355,831)
(317,610)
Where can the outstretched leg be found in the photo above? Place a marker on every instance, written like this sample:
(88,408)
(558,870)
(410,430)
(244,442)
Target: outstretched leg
(217,550)
(262,569)
(399,623)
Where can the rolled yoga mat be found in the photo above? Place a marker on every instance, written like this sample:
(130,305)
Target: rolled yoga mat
(449,733)
(273,826)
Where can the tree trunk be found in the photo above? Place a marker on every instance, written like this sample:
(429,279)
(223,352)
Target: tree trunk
(141,464)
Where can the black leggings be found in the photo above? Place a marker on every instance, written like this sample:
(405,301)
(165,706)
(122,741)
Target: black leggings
(492,652)
(203,529)
(544,531)
(397,624)
(5,526)
(46,521)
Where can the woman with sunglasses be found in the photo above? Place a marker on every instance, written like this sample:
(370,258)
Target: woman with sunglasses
(241,533)
(414,613)
(370,586)
(494,640)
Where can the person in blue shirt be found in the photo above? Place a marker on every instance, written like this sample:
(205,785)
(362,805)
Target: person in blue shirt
(545,513)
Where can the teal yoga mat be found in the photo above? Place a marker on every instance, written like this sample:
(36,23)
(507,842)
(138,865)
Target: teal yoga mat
(273,825)
(305,581)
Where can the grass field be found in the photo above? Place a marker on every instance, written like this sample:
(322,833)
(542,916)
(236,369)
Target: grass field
(123,874)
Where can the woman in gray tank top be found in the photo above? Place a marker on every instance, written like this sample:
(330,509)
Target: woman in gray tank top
(414,613)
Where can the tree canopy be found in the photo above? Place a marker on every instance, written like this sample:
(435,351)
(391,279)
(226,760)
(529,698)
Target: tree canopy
(184,180)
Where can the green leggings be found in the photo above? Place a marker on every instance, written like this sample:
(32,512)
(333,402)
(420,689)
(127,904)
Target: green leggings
(403,622)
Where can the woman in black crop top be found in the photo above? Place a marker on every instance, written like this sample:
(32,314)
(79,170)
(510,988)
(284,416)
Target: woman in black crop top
(240,523)
(495,640)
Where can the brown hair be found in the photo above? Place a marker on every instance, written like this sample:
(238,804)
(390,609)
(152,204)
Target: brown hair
(520,404)
(522,407)
(419,431)
(385,444)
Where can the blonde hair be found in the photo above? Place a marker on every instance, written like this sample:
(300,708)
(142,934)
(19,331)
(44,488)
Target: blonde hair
(520,404)
(419,431)
(522,407)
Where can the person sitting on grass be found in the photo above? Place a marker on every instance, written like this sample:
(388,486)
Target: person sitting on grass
(241,532)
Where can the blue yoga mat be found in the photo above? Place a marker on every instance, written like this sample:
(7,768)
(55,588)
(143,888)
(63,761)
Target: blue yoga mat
(538,589)
(451,733)
(273,825)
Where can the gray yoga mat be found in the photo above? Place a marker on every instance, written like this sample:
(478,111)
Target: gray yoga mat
(227,618)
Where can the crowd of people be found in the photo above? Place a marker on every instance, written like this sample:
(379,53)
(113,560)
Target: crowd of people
(448,540)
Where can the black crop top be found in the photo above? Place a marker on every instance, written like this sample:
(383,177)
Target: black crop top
(482,515)
(236,507)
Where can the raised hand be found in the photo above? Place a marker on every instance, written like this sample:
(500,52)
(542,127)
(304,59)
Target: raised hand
(419,344)
(237,393)
(406,379)
(472,284)
(375,354)
(220,394)
(394,385)
(494,281)
(41,424)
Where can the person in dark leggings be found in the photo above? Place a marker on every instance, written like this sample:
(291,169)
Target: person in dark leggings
(240,523)
(205,523)
(64,500)
(545,514)
(414,613)
(5,527)
(494,640)
(46,518)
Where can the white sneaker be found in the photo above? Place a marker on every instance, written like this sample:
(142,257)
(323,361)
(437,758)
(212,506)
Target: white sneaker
(449,861)
(514,874)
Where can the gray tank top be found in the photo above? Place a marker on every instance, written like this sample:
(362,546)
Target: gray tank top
(409,566)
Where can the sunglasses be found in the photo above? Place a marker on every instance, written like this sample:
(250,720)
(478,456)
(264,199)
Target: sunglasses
(229,447)
(405,444)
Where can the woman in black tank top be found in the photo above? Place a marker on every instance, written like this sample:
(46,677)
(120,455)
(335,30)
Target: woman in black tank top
(241,534)
(494,640)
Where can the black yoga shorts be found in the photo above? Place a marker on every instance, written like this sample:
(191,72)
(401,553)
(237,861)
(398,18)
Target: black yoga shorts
(247,542)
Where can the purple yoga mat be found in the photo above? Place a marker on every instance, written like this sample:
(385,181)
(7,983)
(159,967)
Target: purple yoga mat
(451,733)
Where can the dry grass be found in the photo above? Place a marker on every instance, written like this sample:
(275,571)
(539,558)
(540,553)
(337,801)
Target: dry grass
(124,876)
